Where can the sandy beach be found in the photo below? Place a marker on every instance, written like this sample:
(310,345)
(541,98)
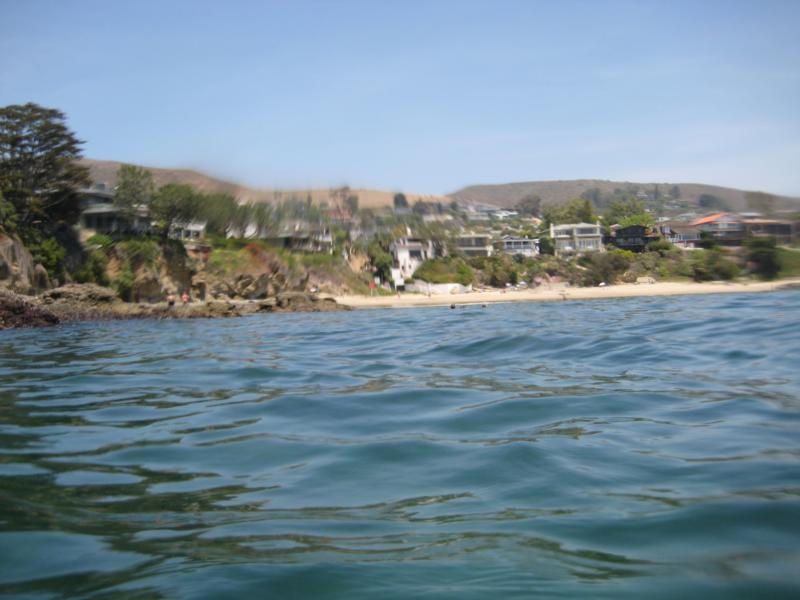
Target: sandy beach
(562,293)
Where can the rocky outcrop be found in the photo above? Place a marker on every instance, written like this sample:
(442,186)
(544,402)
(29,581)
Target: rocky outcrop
(17,269)
(19,311)
(87,294)
(90,302)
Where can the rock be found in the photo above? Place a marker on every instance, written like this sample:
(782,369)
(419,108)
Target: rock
(147,288)
(18,311)
(16,266)
(41,281)
(89,294)
(222,289)
(303,302)
(258,289)
(241,283)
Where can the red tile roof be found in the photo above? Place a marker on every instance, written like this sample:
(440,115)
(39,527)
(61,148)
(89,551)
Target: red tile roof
(709,219)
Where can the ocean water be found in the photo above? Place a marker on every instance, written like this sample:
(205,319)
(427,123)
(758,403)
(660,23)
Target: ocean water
(631,448)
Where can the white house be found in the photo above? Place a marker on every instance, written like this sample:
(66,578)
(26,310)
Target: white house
(520,245)
(187,230)
(408,254)
(576,237)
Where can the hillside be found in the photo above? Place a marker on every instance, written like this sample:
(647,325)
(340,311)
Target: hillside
(501,195)
(105,171)
(507,195)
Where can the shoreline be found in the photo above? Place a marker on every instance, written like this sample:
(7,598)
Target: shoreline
(564,293)
(88,302)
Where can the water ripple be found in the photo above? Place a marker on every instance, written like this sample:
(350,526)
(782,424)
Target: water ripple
(608,449)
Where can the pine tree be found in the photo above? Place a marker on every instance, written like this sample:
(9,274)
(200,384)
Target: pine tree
(40,176)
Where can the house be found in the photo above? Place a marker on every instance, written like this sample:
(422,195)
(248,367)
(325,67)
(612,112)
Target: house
(726,228)
(576,237)
(680,234)
(407,255)
(502,215)
(304,240)
(98,213)
(476,244)
(437,218)
(783,231)
(520,246)
(633,237)
(187,230)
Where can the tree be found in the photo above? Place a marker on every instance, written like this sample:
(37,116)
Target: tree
(711,202)
(763,254)
(173,203)
(39,173)
(643,219)
(674,192)
(578,210)
(546,245)
(594,195)
(622,208)
(400,201)
(531,204)
(219,211)
(134,189)
(351,203)
(8,216)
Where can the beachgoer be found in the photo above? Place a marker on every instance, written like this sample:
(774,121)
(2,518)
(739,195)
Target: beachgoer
(171,299)
(185,298)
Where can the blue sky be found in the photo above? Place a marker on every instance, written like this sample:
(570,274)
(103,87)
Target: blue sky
(422,96)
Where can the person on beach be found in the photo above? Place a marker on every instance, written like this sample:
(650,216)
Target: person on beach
(170,299)
(185,298)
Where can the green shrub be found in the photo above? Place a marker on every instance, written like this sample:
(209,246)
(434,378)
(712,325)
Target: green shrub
(762,253)
(101,241)
(445,270)
(712,265)
(605,267)
(661,246)
(48,252)
(139,251)
(124,282)
(789,261)
(93,269)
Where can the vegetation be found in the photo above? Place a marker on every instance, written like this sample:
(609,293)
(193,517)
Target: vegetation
(135,188)
(713,264)
(762,254)
(789,261)
(529,205)
(445,270)
(605,267)
(575,211)
(39,173)
(628,211)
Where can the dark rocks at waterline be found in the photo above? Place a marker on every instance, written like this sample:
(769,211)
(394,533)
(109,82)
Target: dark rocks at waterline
(21,311)
(89,302)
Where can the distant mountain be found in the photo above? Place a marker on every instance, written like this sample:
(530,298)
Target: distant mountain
(105,171)
(508,194)
(502,195)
